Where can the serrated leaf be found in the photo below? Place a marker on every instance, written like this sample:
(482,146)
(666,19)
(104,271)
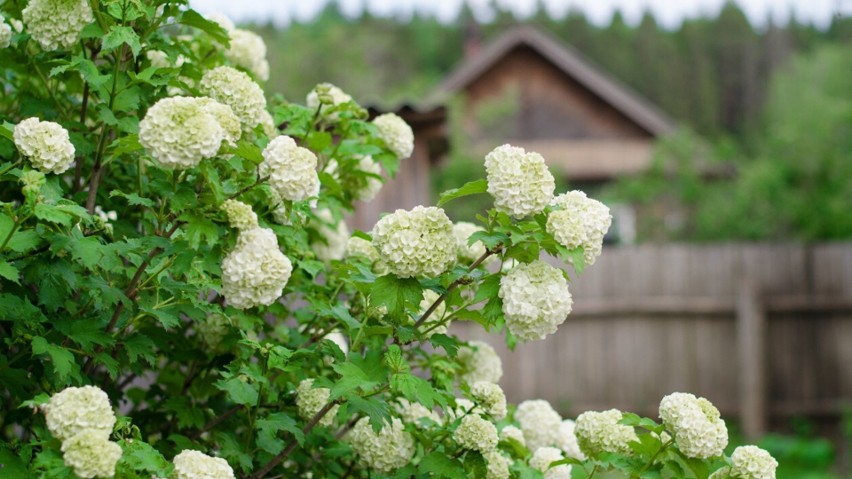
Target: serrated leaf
(374,408)
(396,363)
(488,288)
(141,456)
(470,188)
(441,465)
(196,20)
(395,293)
(63,360)
(249,151)
(121,35)
(9,272)
(269,427)
(352,377)
(133,199)
(450,344)
(240,392)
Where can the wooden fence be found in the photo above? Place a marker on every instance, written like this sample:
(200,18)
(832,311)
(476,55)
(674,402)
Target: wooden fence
(762,330)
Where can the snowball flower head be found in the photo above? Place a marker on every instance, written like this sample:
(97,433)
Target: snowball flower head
(5,33)
(476,434)
(467,252)
(90,454)
(311,400)
(480,362)
(179,132)
(582,222)
(248,50)
(752,462)
(268,124)
(568,440)
(535,300)
(290,169)
(496,465)
(512,432)
(539,422)
(197,465)
(416,243)
(362,248)
(212,330)
(519,181)
(46,144)
(396,134)
(332,245)
(225,116)
(429,327)
(256,271)
(600,432)
(491,397)
(57,23)
(237,90)
(240,215)
(76,409)
(543,457)
(412,412)
(389,449)
(699,429)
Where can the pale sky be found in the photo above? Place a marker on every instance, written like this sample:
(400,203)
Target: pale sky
(668,12)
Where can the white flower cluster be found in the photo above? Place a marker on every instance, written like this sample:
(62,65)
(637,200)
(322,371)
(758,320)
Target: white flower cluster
(310,400)
(412,412)
(568,440)
(290,169)
(191,464)
(476,434)
(543,457)
(212,330)
(428,327)
(415,243)
(535,300)
(229,122)
(57,23)
(491,397)
(479,363)
(539,422)
(5,33)
(496,465)
(75,409)
(91,454)
(237,90)
(179,132)
(268,124)
(334,239)
(329,96)
(582,222)
(240,215)
(512,432)
(248,50)
(359,247)
(389,449)
(698,428)
(46,144)
(256,271)
(82,418)
(600,432)
(396,134)
(372,186)
(519,181)
(749,462)
(467,253)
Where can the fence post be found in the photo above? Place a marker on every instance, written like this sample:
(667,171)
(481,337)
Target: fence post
(751,342)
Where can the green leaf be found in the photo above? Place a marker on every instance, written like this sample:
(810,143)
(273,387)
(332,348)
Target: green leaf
(141,456)
(196,20)
(269,427)
(470,188)
(441,465)
(395,293)
(11,465)
(488,288)
(133,199)
(416,389)
(396,363)
(122,35)
(450,344)
(249,151)
(9,272)
(578,258)
(241,392)
(46,212)
(127,100)
(63,360)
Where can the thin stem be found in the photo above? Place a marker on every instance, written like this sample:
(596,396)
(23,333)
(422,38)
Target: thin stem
(246,188)
(12,231)
(216,420)
(11,166)
(455,284)
(651,461)
(291,446)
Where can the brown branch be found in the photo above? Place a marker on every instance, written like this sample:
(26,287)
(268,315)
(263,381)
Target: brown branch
(217,420)
(293,443)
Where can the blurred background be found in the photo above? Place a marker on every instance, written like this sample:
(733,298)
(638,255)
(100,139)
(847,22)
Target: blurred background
(720,135)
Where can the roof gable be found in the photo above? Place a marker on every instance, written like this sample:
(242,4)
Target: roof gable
(572,64)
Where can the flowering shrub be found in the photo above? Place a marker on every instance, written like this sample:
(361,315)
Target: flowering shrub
(181,296)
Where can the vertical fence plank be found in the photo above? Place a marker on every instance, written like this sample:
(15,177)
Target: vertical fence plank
(751,341)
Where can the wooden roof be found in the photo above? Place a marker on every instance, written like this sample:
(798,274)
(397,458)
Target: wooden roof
(573,64)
